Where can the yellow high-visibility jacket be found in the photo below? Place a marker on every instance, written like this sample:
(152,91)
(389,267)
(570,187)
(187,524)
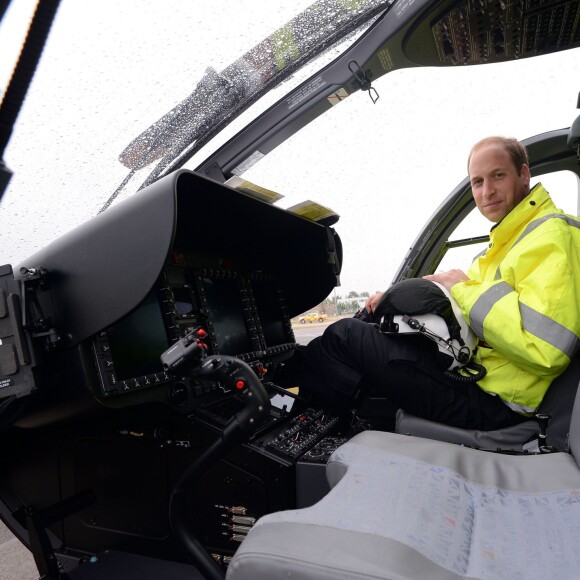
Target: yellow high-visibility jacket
(523,300)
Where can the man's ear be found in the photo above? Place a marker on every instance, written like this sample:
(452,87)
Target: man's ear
(526,175)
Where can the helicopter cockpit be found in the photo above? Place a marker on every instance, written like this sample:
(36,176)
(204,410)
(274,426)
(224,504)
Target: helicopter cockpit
(143,428)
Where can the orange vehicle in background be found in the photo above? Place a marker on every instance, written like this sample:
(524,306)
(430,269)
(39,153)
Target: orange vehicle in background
(312,317)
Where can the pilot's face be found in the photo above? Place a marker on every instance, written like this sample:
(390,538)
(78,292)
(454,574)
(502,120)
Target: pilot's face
(497,188)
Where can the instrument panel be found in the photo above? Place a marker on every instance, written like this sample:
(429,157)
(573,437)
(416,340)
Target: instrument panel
(244,313)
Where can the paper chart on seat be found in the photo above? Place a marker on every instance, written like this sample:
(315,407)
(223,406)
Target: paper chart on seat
(467,528)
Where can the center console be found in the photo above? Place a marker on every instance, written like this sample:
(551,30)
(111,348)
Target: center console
(113,296)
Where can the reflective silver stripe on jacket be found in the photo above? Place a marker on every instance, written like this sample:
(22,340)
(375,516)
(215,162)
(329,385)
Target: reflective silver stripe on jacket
(514,406)
(549,330)
(519,408)
(484,304)
(572,222)
(533,321)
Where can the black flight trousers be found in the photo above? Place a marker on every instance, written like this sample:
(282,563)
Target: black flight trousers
(405,368)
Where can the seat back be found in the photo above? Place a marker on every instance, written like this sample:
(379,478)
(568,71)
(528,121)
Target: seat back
(574,435)
(557,403)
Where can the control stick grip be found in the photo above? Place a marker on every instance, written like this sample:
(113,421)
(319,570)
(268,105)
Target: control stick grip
(236,375)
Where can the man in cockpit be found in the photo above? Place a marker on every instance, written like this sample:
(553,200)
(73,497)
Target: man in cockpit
(521,297)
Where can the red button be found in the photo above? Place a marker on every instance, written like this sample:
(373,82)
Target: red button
(240,384)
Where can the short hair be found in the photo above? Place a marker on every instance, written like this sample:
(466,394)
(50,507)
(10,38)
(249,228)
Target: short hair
(512,146)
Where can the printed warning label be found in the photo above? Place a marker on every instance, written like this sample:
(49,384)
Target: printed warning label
(338,96)
(386,59)
(304,92)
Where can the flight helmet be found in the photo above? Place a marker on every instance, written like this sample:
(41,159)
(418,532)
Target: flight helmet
(422,306)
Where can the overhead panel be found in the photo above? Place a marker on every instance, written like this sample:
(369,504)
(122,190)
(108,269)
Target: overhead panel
(484,31)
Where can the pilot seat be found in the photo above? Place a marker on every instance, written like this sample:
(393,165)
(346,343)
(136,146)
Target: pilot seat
(407,507)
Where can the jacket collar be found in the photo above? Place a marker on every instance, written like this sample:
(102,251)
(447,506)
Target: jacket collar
(537,202)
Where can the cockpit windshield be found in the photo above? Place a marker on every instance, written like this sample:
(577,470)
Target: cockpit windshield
(123,90)
(126,92)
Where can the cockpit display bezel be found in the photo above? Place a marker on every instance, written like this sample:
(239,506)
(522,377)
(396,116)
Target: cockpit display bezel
(244,314)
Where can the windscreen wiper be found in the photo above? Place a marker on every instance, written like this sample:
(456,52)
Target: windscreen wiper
(220,97)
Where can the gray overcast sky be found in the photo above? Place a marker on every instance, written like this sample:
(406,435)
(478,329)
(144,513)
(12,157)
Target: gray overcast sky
(384,168)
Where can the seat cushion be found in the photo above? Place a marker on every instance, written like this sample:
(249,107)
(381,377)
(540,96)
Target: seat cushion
(511,438)
(558,403)
(405,507)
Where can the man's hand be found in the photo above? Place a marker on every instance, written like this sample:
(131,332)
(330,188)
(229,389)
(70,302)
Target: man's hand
(372,302)
(449,278)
